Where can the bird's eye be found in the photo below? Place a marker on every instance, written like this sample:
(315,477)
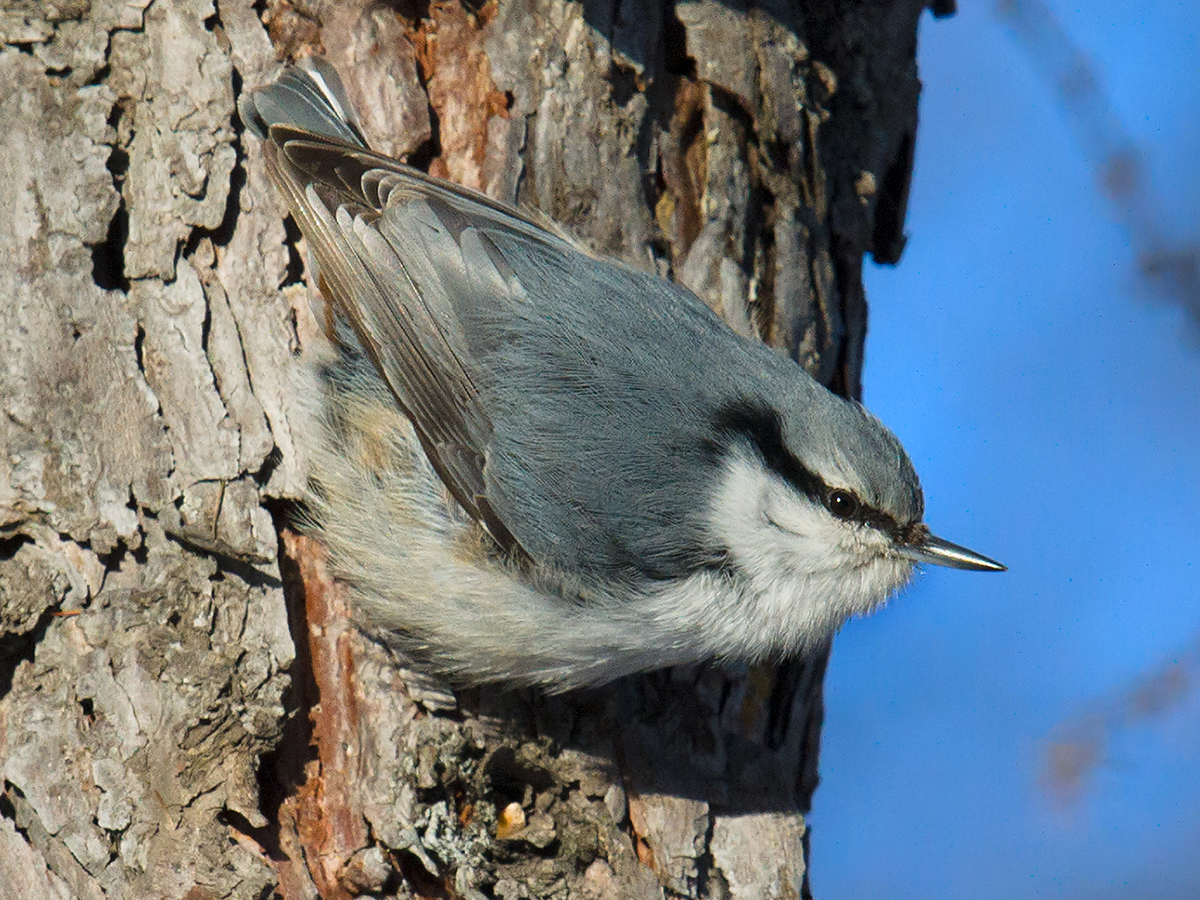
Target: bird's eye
(842,504)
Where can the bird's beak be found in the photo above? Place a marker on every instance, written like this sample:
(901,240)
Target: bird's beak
(933,550)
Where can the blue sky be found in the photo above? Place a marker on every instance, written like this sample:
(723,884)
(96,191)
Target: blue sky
(1050,400)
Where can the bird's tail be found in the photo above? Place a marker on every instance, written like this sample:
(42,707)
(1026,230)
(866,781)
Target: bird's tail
(306,97)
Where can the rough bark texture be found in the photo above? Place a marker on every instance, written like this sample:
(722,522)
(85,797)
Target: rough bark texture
(185,710)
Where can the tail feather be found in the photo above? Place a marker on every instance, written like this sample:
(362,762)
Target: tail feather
(307,97)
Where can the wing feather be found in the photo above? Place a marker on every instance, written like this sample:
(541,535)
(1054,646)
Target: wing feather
(392,246)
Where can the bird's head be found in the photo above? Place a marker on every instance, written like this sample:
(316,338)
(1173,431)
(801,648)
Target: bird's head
(821,513)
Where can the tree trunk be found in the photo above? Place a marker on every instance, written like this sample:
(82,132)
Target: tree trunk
(185,710)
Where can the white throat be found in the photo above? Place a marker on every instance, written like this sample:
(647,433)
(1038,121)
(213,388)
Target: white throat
(800,572)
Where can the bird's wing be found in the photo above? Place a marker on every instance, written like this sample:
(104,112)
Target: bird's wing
(396,251)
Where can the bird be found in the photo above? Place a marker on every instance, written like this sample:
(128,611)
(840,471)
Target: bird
(536,466)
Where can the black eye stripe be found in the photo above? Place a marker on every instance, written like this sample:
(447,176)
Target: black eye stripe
(764,430)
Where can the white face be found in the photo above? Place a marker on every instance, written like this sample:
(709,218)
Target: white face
(805,570)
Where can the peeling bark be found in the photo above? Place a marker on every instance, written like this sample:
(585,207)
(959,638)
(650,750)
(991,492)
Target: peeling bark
(184,708)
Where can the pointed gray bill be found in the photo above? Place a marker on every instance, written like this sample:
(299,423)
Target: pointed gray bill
(937,552)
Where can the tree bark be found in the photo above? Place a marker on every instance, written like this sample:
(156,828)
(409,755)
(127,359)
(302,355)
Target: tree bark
(185,709)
